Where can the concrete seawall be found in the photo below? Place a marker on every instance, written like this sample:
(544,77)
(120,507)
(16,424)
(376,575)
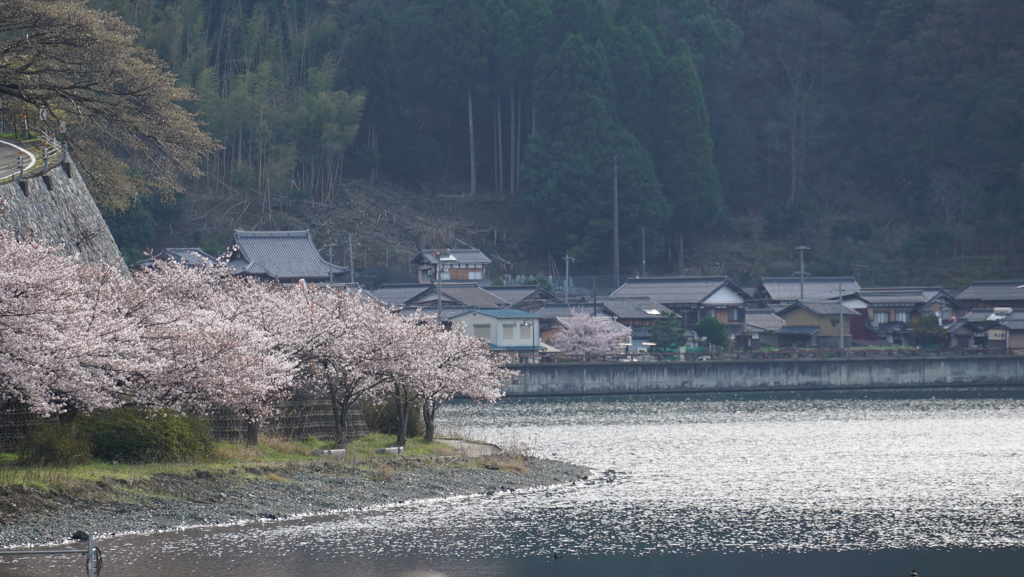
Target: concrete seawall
(807,374)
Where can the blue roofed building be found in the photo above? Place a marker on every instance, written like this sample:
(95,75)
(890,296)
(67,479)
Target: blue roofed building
(504,330)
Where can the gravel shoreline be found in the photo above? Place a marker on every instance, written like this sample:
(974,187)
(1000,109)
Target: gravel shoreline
(167,502)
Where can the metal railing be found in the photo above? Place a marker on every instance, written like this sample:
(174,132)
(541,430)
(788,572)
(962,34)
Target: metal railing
(740,356)
(93,556)
(27,164)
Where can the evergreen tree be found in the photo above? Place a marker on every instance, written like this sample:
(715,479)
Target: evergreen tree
(634,85)
(683,148)
(644,13)
(567,168)
(460,53)
(376,71)
(587,17)
(505,75)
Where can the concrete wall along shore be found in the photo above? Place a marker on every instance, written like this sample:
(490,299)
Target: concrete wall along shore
(784,374)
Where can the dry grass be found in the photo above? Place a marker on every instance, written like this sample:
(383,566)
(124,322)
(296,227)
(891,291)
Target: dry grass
(380,470)
(507,462)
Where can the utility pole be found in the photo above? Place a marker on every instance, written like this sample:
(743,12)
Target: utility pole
(330,256)
(643,251)
(351,262)
(567,260)
(842,327)
(615,218)
(802,248)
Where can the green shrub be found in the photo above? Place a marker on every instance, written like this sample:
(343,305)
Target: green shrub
(54,444)
(383,418)
(132,435)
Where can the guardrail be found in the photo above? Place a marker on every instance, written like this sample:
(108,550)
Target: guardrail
(853,353)
(93,556)
(49,154)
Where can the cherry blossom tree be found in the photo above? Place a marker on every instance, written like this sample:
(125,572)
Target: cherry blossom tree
(454,363)
(66,345)
(349,347)
(208,327)
(584,335)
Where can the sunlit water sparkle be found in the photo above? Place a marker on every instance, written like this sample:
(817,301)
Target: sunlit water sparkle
(798,479)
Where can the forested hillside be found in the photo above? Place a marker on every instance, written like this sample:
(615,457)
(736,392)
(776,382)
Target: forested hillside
(888,135)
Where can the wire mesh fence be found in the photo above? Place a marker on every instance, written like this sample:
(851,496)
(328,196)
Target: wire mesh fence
(297,419)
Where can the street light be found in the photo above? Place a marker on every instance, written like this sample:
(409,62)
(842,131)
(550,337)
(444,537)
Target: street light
(802,249)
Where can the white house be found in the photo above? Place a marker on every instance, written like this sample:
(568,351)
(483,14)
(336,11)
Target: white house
(505,330)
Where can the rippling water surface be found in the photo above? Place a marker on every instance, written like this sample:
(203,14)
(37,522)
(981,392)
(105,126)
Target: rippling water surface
(787,484)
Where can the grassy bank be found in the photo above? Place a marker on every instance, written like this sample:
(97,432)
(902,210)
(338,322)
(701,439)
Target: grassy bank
(270,460)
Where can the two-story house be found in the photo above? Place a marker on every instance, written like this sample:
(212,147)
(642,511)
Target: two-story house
(815,324)
(692,298)
(888,311)
(450,265)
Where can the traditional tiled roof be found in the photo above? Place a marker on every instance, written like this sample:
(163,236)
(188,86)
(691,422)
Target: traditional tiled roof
(285,255)
(906,296)
(1014,321)
(188,256)
(505,313)
(400,294)
(460,256)
(556,310)
(636,308)
(819,288)
(516,294)
(675,290)
(962,323)
(987,317)
(606,320)
(799,331)
(997,290)
(762,320)
(820,308)
(470,294)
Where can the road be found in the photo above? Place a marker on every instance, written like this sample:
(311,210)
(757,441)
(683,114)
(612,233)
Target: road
(9,159)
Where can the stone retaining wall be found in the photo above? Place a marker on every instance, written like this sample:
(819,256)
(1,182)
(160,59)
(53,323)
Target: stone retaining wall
(58,210)
(670,377)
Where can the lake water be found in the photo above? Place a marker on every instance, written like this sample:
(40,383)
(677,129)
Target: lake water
(784,484)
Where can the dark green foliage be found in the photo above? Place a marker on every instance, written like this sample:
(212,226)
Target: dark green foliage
(131,435)
(829,122)
(376,69)
(382,417)
(634,85)
(567,168)
(926,242)
(636,13)
(132,229)
(715,332)
(669,335)
(684,153)
(926,330)
(460,49)
(588,18)
(54,444)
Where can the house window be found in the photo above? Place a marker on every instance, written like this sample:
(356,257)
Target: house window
(508,332)
(734,315)
(524,331)
(881,317)
(482,331)
(902,316)
(445,275)
(476,275)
